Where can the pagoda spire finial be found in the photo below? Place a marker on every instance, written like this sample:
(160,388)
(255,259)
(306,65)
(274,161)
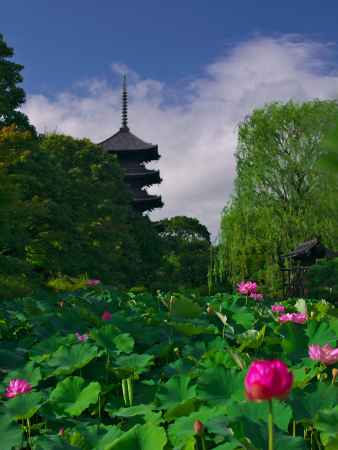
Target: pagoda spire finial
(124,112)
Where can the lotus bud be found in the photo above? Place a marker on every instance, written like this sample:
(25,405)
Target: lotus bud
(267,379)
(198,427)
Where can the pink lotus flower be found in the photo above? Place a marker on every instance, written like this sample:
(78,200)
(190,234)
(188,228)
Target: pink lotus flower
(93,282)
(17,387)
(325,354)
(267,379)
(247,287)
(278,308)
(256,296)
(61,431)
(293,317)
(81,337)
(106,315)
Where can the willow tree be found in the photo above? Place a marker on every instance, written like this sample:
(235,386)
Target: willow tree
(281,195)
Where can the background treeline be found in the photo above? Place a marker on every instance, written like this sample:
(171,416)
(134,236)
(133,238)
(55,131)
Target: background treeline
(283,193)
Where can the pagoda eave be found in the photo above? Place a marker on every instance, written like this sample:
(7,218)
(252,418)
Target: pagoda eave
(144,155)
(148,204)
(146,178)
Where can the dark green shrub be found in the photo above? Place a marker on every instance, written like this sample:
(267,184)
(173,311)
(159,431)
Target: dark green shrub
(322,280)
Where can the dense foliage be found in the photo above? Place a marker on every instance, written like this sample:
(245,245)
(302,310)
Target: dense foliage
(12,96)
(282,197)
(111,370)
(186,253)
(322,280)
(68,213)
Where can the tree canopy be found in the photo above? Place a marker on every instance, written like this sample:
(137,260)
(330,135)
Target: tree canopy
(12,96)
(185,246)
(281,196)
(71,212)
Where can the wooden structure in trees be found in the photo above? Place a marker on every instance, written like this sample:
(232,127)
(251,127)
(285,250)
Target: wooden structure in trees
(299,261)
(133,154)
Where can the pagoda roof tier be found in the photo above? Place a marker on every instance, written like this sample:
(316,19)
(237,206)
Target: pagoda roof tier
(148,203)
(140,174)
(124,143)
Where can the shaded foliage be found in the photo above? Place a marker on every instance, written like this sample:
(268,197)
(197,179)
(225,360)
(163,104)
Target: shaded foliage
(72,212)
(185,246)
(322,280)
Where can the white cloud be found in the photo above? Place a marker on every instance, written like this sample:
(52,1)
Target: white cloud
(195,126)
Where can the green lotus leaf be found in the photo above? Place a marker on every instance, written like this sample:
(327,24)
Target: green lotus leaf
(219,385)
(182,430)
(24,406)
(44,349)
(139,410)
(295,342)
(304,372)
(104,337)
(305,405)
(244,317)
(66,360)
(10,433)
(95,437)
(175,391)
(321,333)
(258,412)
(184,408)
(70,397)
(327,423)
(140,437)
(219,425)
(124,343)
(283,442)
(234,444)
(52,442)
(134,363)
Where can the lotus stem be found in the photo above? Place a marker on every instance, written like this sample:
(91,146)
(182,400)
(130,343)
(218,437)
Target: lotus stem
(130,390)
(29,433)
(124,391)
(294,428)
(204,447)
(270,425)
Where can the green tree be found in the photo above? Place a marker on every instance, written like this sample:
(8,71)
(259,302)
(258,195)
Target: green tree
(186,245)
(281,196)
(11,95)
(74,215)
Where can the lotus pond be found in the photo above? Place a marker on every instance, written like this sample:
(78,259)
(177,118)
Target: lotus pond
(99,369)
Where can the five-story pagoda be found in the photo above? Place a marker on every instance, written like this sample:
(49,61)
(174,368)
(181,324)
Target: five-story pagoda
(133,154)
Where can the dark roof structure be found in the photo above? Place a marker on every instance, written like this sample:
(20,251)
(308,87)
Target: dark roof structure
(309,251)
(132,152)
(299,261)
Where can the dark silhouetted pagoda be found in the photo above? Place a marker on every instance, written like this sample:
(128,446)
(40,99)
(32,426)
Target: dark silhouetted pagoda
(133,154)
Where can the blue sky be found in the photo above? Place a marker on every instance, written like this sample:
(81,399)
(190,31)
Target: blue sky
(62,42)
(195,70)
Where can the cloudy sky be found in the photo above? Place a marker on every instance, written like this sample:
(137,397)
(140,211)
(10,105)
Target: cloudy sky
(193,74)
